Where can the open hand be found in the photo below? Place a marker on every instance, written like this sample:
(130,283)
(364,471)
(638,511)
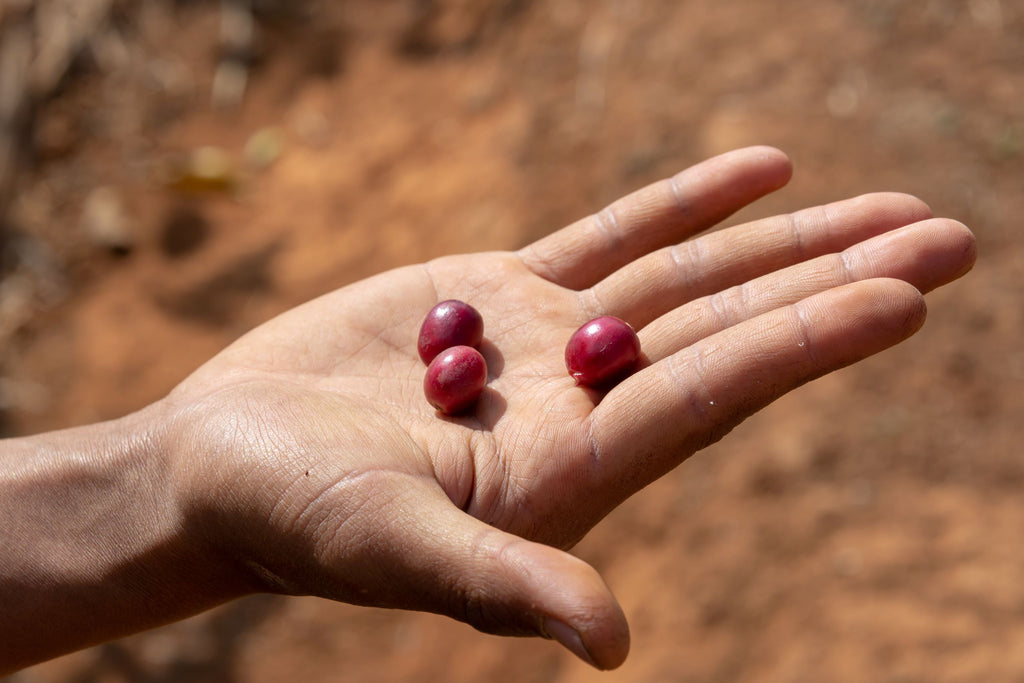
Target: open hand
(310,459)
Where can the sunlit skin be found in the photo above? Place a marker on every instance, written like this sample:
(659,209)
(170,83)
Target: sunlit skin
(303,459)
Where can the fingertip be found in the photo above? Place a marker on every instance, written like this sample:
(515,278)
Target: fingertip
(943,250)
(575,606)
(766,152)
(609,646)
(771,154)
(503,584)
(603,631)
(913,204)
(771,160)
(884,310)
(967,243)
(603,647)
(908,299)
(902,208)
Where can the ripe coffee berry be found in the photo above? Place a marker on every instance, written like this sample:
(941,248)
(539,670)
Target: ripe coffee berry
(455,379)
(449,323)
(602,351)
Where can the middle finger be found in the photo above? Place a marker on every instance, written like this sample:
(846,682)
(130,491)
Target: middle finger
(672,276)
(926,255)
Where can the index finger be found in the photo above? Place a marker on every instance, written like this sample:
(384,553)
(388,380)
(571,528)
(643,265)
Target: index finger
(655,216)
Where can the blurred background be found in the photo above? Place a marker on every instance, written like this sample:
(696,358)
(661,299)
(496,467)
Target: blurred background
(173,173)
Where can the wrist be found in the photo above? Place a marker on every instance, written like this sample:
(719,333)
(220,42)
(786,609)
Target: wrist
(96,541)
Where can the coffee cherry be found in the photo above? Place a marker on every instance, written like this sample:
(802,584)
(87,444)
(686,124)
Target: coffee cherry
(455,379)
(602,351)
(450,323)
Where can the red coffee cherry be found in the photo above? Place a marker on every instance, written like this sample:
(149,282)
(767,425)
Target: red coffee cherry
(449,323)
(602,351)
(455,379)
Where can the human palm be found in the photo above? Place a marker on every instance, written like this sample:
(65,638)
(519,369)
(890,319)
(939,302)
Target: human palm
(320,466)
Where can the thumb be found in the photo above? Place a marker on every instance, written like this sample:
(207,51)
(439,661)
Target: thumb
(437,558)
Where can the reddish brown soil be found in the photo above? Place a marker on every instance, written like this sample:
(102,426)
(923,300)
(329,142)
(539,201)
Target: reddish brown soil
(866,528)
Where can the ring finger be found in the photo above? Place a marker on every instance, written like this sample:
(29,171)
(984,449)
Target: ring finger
(926,255)
(672,276)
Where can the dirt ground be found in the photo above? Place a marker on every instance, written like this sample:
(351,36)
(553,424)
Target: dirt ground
(867,527)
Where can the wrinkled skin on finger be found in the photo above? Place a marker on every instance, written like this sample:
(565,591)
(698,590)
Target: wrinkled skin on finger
(311,460)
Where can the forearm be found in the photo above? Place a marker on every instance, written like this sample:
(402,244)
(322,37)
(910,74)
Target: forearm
(94,542)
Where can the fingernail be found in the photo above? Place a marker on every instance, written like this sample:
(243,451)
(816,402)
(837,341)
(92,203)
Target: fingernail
(569,638)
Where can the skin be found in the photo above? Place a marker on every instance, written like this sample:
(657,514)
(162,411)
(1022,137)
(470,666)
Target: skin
(304,459)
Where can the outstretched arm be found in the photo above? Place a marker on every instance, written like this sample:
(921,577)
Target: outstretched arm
(304,458)
(94,542)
